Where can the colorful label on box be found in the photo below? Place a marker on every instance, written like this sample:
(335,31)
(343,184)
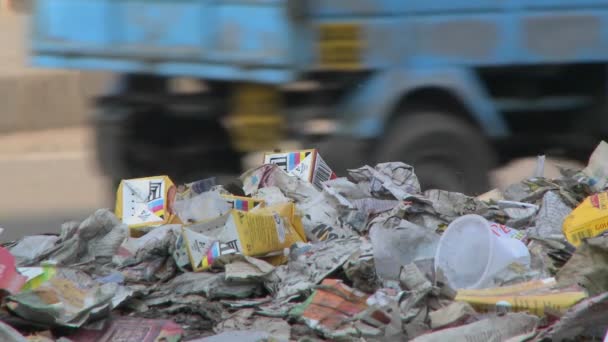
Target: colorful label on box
(144,202)
(589,219)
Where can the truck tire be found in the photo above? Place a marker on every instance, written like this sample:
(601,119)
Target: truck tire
(446,151)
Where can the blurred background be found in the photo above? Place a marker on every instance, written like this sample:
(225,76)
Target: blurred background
(79,111)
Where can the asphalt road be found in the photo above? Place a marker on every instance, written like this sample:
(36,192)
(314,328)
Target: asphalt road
(47,178)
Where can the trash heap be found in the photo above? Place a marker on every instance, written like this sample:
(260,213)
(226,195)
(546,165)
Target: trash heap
(295,253)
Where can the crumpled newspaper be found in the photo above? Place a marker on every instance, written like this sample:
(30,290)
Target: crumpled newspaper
(588,266)
(551,216)
(309,265)
(30,248)
(589,319)
(498,328)
(212,285)
(270,175)
(360,269)
(245,319)
(95,240)
(394,179)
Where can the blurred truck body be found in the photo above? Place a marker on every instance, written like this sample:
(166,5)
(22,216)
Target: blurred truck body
(453,87)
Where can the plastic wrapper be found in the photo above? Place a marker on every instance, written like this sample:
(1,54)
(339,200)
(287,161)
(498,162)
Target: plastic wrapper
(394,179)
(304,164)
(36,276)
(146,202)
(498,328)
(201,208)
(398,242)
(70,298)
(596,171)
(534,297)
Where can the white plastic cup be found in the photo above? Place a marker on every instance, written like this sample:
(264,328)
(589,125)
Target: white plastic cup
(470,254)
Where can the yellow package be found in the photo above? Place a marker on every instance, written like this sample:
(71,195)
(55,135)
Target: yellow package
(197,247)
(145,202)
(263,232)
(589,219)
(534,297)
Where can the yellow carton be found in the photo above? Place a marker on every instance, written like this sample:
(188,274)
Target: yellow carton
(145,202)
(589,219)
(197,247)
(535,297)
(263,232)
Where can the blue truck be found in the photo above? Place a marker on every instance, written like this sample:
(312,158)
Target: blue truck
(453,87)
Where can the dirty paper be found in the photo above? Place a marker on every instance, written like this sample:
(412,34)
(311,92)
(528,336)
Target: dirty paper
(497,328)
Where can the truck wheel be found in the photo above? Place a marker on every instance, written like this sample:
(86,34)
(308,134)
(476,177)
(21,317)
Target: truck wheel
(447,152)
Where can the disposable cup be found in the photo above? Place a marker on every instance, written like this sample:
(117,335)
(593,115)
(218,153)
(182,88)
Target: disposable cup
(470,254)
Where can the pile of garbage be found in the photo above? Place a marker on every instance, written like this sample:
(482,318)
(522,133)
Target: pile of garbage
(294,253)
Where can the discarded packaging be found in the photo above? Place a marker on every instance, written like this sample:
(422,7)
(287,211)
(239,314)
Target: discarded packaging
(305,164)
(263,232)
(470,255)
(311,257)
(589,219)
(145,202)
(534,297)
(70,298)
(10,280)
(332,309)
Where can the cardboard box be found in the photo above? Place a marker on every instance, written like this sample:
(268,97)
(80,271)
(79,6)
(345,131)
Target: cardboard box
(304,164)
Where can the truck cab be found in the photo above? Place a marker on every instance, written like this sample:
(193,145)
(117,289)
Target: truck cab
(452,87)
